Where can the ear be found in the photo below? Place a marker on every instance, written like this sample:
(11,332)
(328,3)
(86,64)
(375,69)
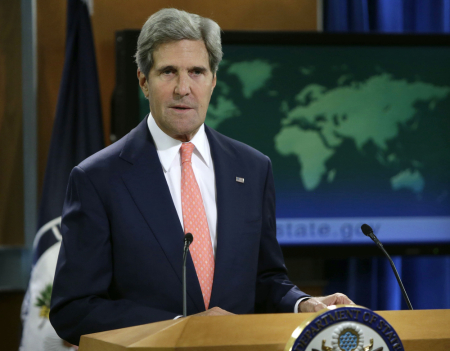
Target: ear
(214,82)
(143,83)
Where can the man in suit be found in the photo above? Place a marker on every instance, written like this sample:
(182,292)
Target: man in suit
(128,207)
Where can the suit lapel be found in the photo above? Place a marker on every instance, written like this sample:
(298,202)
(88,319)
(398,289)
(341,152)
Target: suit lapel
(147,185)
(226,169)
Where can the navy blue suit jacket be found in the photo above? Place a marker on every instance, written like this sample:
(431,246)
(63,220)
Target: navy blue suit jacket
(120,261)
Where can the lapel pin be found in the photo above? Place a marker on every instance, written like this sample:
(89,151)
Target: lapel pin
(240,180)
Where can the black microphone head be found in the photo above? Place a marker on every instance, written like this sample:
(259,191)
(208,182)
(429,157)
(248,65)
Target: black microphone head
(188,238)
(366,229)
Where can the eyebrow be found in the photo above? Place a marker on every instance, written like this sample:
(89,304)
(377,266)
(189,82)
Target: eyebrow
(165,68)
(199,68)
(193,68)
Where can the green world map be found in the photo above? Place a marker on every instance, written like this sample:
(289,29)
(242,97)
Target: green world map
(311,130)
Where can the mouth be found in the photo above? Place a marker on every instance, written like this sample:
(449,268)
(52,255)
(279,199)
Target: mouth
(181,108)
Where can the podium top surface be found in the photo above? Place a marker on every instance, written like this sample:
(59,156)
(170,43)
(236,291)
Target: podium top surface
(418,330)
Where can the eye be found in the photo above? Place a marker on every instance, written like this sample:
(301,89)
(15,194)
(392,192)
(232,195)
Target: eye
(167,71)
(197,72)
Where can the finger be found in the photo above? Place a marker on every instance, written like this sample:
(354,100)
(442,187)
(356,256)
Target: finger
(342,299)
(349,302)
(336,299)
(319,307)
(328,300)
(311,305)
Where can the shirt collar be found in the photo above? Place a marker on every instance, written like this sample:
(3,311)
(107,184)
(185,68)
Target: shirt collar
(168,148)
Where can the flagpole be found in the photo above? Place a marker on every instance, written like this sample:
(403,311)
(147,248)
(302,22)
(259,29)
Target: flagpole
(29,129)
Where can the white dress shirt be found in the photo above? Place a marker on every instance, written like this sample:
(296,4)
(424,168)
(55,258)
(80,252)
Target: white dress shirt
(169,155)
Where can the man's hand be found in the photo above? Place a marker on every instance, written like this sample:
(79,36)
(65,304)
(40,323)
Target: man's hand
(215,311)
(315,304)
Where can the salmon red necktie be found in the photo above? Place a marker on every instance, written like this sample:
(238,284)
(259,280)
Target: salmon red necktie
(195,222)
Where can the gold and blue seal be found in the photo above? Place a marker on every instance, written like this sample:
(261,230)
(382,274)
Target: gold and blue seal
(346,328)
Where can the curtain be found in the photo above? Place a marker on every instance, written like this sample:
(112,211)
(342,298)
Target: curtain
(371,282)
(387,16)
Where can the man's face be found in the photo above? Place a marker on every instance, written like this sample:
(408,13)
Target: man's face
(179,87)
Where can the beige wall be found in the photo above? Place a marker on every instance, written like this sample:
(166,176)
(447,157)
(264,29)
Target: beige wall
(11,168)
(112,15)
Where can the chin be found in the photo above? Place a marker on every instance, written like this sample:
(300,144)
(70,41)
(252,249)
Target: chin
(186,128)
(186,135)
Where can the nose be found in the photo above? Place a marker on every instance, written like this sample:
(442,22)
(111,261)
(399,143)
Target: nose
(182,87)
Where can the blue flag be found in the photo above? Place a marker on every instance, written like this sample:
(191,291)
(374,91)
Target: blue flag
(77,134)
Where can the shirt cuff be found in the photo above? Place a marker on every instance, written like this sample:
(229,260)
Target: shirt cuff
(178,317)
(298,303)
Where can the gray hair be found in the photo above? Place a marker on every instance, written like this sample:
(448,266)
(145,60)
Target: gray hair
(169,25)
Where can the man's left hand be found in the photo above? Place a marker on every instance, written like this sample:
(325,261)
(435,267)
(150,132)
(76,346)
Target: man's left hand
(315,304)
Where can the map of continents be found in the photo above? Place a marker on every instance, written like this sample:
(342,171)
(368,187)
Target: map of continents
(322,118)
(365,111)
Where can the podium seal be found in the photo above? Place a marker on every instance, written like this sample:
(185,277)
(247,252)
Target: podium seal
(346,328)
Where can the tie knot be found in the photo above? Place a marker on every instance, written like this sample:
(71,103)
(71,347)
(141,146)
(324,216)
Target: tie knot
(186,152)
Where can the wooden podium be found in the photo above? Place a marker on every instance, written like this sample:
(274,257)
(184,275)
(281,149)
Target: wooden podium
(419,330)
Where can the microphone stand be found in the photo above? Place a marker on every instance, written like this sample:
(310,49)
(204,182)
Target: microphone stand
(188,238)
(369,232)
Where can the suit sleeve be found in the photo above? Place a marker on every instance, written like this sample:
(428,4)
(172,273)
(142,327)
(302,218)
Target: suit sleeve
(80,303)
(274,291)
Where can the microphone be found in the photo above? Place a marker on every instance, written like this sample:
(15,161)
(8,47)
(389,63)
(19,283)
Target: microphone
(188,239)
(367,230)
